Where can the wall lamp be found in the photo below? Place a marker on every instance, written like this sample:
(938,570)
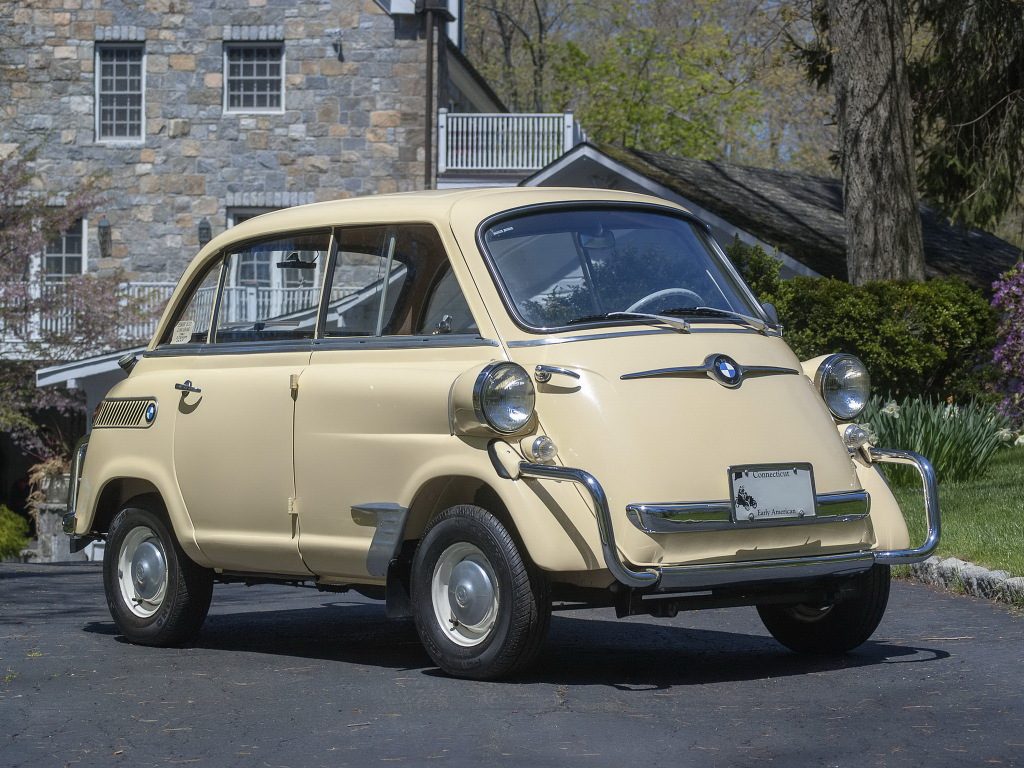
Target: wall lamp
(103,233)
(205,231)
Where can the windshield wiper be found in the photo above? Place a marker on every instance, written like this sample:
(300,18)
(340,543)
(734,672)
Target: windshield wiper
(674,322)
(751,322)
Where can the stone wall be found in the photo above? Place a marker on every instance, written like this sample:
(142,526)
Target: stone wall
(352,124)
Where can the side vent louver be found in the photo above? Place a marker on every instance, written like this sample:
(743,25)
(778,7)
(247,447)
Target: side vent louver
(126,413)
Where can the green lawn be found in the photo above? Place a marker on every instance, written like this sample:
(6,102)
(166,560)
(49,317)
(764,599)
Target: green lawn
(982,520)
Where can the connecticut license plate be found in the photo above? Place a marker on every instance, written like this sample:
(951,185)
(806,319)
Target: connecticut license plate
(771,492)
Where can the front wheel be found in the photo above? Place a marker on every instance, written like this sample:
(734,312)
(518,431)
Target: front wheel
(832,628)
(156,594)
(481,611)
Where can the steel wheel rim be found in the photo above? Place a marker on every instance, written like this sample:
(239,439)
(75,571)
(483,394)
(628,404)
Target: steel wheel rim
(464,594)
(142,571)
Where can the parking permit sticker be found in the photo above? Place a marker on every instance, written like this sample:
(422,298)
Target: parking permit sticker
(183,331)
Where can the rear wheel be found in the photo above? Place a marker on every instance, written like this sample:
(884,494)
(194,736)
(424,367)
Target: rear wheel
(156,594)
(832,628)
(481,610)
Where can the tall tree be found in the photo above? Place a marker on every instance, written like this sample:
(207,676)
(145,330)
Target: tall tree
(967,75)
(876,140)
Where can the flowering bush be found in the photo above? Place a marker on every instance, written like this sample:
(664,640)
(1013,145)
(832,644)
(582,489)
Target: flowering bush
(1009,353)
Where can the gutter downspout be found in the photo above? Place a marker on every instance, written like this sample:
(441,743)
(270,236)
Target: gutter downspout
(428,139)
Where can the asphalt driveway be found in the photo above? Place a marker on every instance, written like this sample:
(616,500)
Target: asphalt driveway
(292,677)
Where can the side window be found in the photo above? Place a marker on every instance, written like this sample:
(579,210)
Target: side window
(272,289)
(192,325)
(447,311)
(366,272)
(394,281)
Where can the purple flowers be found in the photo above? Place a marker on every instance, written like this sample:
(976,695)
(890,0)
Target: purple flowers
(1008,300)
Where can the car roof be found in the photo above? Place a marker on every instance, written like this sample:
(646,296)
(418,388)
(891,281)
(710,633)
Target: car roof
(436,206)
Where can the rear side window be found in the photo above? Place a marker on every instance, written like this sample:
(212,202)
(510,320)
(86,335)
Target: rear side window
(192,325)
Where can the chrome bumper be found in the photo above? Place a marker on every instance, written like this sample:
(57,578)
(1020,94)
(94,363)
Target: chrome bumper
(704,576)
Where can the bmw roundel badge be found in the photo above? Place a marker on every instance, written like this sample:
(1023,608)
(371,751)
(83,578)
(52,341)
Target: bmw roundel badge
(726,370)
(150,413)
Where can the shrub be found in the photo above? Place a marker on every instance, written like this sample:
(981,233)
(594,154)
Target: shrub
(929,338)
(1009,353)
(13,532)
(959,440)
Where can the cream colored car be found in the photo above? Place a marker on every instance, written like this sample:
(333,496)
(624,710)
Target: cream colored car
(473,403)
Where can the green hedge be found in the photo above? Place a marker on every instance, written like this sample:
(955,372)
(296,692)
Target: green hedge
(933,338)
(13,532)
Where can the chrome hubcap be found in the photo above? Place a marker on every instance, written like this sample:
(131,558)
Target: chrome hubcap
(142,571)
(148,570)
(470,593)
(464,593)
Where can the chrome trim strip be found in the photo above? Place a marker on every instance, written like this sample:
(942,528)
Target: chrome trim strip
(620,334)
(242,348)
(707,369)
(690,577)
(931,506)
(403,342)
(692,517)
(77,461)
(543,373)
(317,345)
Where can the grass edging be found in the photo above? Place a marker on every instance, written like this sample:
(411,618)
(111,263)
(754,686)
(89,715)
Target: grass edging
(968,579)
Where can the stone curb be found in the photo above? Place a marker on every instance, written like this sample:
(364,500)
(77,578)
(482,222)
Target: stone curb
(961,576)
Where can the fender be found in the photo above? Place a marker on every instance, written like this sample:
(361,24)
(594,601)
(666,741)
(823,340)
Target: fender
(555,525)
(103,467)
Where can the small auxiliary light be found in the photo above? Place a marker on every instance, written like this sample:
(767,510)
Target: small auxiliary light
(540,449)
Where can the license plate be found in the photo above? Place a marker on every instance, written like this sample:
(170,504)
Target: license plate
(771,492)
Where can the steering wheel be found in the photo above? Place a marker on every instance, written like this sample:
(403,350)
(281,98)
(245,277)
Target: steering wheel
(650,298)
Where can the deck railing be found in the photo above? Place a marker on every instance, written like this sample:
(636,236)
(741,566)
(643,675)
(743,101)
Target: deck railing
(503,142)
(46,311)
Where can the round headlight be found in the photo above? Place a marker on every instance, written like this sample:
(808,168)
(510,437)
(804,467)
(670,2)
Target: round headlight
(844,384)
(504,397)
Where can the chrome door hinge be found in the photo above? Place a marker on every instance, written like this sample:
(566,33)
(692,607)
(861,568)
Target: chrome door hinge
(293,506)
(293,385)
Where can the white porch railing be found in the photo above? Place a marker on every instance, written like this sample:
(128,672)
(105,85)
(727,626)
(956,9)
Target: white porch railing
(54,309)
(503,142)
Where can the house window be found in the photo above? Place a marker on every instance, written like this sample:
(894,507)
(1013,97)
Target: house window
(120,75)
(254,77)
(65,254)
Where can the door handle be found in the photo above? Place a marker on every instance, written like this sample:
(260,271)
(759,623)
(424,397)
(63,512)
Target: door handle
(543,373)
(186,386)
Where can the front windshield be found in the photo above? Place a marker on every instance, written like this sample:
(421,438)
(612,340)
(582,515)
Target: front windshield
(566,267)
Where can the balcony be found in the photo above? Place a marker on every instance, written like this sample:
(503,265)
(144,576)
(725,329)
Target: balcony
(500,149)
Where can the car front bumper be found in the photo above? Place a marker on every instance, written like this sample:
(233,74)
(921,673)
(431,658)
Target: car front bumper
(688,578)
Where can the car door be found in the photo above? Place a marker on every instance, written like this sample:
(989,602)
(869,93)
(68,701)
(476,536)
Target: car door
(372,406)
(233,440)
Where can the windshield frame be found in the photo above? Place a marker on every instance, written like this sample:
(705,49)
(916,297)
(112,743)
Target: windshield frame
(715,252)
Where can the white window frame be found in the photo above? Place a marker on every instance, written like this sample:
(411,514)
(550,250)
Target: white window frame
(97,78)
(242,44)
(38,267)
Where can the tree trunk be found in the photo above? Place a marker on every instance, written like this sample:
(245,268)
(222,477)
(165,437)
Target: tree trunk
(883,225)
